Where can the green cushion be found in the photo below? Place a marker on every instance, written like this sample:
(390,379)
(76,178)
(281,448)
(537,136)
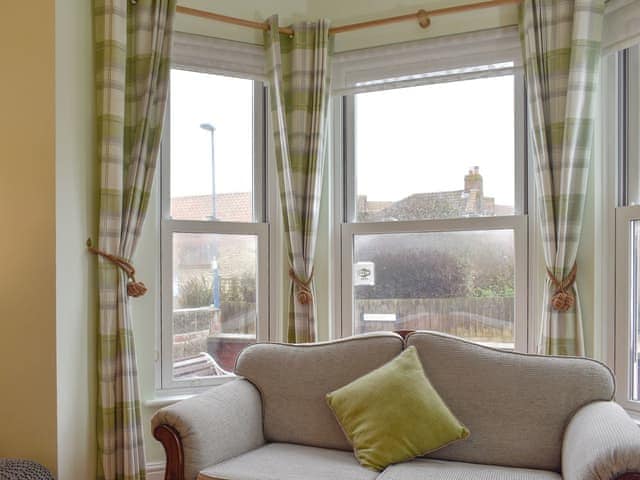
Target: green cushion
(393,413)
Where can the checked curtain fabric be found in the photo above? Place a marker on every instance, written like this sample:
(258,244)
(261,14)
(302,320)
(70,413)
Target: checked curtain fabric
(298,70)
(132,46)
(561,43)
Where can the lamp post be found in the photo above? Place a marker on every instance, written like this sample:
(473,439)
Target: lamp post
(216,282)
(214,264)
(211,129)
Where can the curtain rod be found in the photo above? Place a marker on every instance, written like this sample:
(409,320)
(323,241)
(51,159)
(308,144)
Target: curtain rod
(422,16)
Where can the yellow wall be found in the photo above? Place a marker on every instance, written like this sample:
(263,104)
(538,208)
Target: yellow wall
(27,243)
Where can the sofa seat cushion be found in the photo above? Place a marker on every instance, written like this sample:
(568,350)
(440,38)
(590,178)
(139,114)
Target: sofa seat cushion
(427,469)
(285,461)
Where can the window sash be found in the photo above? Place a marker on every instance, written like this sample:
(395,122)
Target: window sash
(624,299)
(221,57)
(347,122)
(168,229)
(516,223)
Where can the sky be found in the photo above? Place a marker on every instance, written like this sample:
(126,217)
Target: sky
(227,104)
(408,140)
(425,139)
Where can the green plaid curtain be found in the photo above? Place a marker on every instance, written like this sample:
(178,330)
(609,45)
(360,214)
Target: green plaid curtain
(298,70)
(132,46)
(561,43)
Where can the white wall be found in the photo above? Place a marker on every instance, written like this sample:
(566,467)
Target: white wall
(76,219)
(344,12)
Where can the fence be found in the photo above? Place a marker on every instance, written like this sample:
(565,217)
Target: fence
(192,326)
(479,318)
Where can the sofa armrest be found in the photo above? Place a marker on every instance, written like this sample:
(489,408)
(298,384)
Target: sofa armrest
(601,442)
(221,423)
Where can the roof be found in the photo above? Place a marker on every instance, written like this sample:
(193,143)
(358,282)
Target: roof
(452,204)
(230,207)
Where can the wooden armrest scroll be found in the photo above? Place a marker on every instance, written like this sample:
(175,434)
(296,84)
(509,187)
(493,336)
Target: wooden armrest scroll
(170,440)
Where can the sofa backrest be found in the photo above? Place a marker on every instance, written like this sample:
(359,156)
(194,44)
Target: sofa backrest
(516,406)
(294,379)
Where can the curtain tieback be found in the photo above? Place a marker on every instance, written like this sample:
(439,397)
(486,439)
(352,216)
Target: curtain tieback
(134,288)
(563,299)
(304,295)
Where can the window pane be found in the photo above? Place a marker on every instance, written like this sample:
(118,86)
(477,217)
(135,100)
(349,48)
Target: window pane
(635,311)
(435,151)
(214,302)
(633,131)
(211,135)
(460,283)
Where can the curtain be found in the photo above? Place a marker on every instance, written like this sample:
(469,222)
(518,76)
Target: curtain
(561,43)
(298,70)
(132,46)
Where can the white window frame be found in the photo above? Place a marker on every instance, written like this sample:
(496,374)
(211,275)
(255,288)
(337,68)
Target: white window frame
(624,307)
(220,57)
(413,64)
(625,93)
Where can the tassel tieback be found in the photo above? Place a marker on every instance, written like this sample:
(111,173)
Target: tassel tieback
(134,288)
(304,295)
(563,299)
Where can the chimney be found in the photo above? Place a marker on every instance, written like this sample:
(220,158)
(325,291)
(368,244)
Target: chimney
(473,181)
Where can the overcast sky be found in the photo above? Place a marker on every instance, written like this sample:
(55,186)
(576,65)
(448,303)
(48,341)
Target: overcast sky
(409,140)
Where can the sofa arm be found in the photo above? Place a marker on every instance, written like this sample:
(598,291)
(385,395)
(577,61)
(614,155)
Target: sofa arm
(601,443)
(221,423)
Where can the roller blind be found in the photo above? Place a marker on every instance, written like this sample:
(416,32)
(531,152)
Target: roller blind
(213,55)
(621,25)
(441,59)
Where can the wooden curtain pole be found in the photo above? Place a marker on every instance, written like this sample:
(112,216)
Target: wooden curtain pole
(227,19)
(422,16)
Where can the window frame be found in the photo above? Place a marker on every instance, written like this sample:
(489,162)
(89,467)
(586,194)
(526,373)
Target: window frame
(233,59)
(354,70)
(625,93)
(624,310)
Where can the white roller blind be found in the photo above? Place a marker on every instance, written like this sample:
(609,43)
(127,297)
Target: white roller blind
(213,55)
(439,59)
(621,25)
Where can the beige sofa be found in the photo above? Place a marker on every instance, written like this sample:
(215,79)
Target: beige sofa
(531,417)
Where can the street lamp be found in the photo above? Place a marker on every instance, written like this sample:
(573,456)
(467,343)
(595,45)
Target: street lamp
(214,264)
(211,129)
(216,282)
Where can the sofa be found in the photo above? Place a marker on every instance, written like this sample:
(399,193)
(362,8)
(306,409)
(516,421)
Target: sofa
(531,417)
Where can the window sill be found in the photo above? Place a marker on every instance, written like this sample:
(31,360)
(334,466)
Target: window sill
(635,416)
(163,401)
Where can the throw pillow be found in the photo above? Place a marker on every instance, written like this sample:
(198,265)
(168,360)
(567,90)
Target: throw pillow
(393,413)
